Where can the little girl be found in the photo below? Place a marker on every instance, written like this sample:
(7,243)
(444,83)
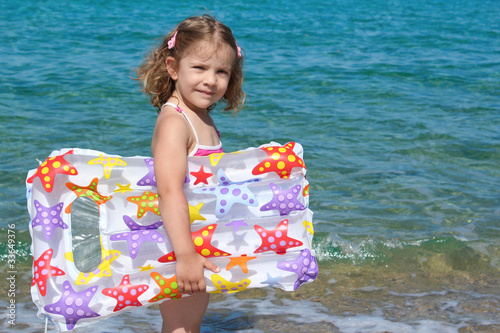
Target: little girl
(197,65)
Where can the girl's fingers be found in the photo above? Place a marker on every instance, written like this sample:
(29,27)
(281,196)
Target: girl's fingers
(211,266)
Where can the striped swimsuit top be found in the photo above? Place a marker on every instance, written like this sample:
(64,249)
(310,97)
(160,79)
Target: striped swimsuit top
(199,150)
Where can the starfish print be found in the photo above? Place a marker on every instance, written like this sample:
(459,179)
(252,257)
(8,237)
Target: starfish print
(149,179)
(309,227)
(229,193)
(201,176)
(49,218)
(126,294)
(305,192)
(138,235)
(224,286)
(277,239)
(73,305)
(52,166)
(145,268)
(194,213)
(89,191)
(240,261)
(168,288)
(238,241)
(305,266)
(42,270)
(236,224)
(108,163)
(123,188)
(147,202)
(107,257)
(215,158)
(280,159)
(284,201)
(272,281)
(202,241)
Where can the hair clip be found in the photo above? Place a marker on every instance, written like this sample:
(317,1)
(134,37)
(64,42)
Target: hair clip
(171,42)
(239,50)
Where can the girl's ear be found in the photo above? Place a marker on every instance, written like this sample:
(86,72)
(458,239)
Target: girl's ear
(171,64)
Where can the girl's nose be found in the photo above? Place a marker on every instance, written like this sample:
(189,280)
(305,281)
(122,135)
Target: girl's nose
(210,79)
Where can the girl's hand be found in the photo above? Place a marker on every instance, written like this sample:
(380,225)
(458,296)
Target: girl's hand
(189,272)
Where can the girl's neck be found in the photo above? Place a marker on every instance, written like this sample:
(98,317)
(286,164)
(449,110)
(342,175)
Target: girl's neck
(187,107)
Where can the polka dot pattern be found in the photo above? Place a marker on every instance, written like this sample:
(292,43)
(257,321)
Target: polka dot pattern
(169,288)
(107,257)
(42,270)
(147,202)
(224,286)
(48,170)
(279,159)
(276,240)
(284,201)
(305,266)
(229,193)
(138,235)
(309,227)
(73,305)
(215,158)
(108,163)
(49,218)
(125,294)
(202,241)
(149,179)
(89,191)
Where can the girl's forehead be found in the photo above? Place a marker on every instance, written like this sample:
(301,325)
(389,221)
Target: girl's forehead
(206,50)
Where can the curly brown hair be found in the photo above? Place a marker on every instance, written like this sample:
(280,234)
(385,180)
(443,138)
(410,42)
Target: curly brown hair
(153,76)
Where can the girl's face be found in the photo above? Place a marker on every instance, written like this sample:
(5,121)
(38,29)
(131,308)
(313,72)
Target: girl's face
(202,75)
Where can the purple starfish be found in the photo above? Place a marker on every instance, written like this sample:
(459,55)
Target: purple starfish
(49,218)
(284,201)
(305,266)
(149,179)
(138,235)
(73,305)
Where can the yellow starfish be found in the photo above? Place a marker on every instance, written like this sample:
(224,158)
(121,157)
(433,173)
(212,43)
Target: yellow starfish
(108,256)
(145,268)
(108,163)
(123,188)
(194,213)
(226,287)
(309,226)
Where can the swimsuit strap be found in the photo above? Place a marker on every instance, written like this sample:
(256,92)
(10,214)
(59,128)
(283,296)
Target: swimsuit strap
(178,109)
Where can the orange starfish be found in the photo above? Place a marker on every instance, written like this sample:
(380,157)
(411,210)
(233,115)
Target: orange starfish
(89,191)
(147,202)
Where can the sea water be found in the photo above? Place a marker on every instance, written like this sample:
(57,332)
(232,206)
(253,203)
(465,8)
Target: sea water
(397,105)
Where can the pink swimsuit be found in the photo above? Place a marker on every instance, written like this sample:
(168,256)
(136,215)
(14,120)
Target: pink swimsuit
(199,150)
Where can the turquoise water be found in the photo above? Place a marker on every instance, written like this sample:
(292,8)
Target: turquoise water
(397,105)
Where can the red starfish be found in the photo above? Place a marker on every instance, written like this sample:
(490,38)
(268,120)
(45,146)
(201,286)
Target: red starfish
(48,170)
(42,270)
(277,239)
(202,241)
(89,191)
(201,176)
(125,293)
(280,159)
